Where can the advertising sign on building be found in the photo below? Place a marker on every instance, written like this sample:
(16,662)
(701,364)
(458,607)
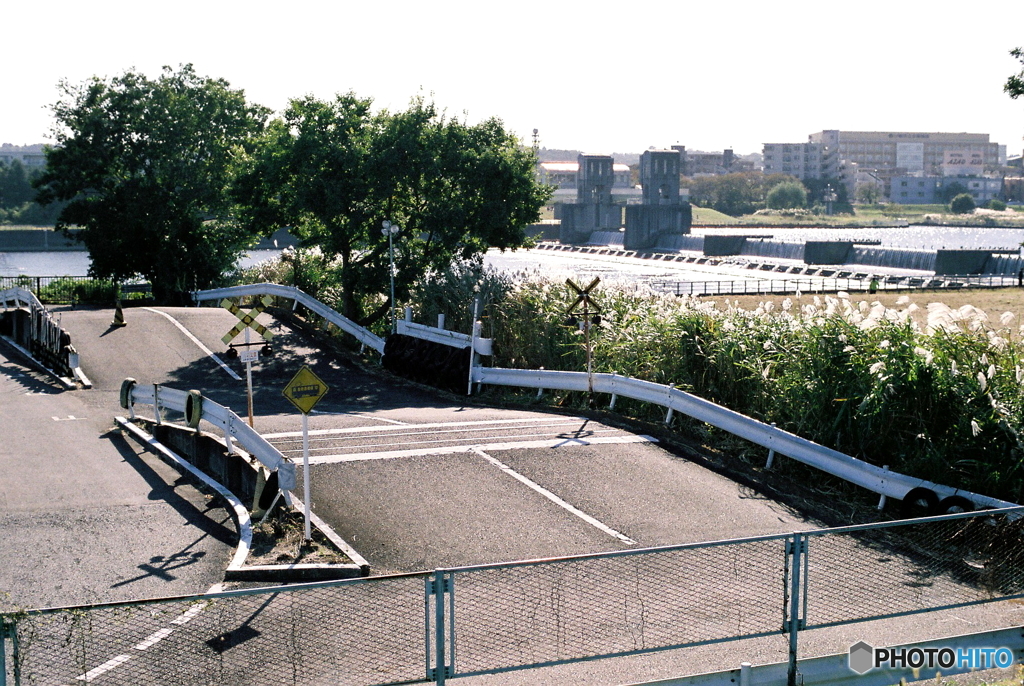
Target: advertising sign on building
(963,163)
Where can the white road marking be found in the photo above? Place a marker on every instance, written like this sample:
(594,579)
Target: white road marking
(69,418)
(553,421)
(554,498)
(456,449)
(475,440)
(154,638)
(190,614)
(358,414)
(104,668)
(195,340)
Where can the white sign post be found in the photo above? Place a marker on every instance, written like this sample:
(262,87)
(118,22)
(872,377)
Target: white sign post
(304,391)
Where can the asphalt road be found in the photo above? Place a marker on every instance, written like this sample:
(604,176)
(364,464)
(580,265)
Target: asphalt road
(413,479)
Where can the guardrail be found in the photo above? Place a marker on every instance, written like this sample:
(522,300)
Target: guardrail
(869,476)
(196,408)
(40,336)
(364,336)
(939,498)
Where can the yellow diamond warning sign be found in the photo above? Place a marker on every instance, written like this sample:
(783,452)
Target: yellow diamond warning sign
(305,390)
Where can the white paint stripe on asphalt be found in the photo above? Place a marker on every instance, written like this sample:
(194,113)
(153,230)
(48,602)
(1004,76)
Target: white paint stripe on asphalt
(456,449)
(187,616)
(555,421)
(198,342)
(154,638)
(474,440)
(104,668)
(358,414)
(554,498)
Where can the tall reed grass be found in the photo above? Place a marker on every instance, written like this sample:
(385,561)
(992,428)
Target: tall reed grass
(943,403)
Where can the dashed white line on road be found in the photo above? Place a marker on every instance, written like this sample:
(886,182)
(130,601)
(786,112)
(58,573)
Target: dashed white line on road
(104,668)
(554,498)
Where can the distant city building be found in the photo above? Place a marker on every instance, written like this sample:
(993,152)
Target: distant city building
(28,155)
(926,190)
(885,156)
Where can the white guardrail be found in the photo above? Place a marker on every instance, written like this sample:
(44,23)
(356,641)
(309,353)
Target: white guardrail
(234,427)
(20,297)
(365,337)
(877,479)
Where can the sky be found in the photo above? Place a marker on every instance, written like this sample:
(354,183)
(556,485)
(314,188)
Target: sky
(622,77)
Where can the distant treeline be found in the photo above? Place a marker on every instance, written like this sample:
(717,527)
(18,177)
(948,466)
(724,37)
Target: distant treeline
(17,197)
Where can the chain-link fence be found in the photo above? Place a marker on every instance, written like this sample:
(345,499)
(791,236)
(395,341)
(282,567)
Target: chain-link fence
(494,618)
(879,570)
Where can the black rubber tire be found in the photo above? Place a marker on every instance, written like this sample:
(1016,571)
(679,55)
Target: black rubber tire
(919,502)
(953,504)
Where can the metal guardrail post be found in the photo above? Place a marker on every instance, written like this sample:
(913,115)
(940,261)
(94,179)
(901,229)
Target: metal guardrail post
(4,631)
(797,551)
(441,590)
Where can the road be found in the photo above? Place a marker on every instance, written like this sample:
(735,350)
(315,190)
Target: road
(413,479)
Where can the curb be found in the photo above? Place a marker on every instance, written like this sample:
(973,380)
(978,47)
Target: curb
(237,570)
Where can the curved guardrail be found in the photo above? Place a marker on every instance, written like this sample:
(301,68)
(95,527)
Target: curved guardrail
(364,336)
(234,427)
(47,343)
(859,472)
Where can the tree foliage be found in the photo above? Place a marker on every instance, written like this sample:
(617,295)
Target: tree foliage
(734,194)
(962,204)
(1015,84)
(787,195)
(334,171)
(144,166)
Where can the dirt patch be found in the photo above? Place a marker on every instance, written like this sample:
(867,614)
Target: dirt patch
(279,541)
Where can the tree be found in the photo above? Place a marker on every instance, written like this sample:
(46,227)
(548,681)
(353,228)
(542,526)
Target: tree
(962,204)
(734,194)
(145,165)
(869,193)
(950,191)
(1015,84)
(787,195)
(333,171)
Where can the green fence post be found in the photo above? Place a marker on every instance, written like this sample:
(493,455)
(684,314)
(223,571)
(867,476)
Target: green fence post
(4,631)
(797,551)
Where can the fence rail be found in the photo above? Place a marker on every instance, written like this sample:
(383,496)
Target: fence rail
(73,290)
(855,283)
(484,619)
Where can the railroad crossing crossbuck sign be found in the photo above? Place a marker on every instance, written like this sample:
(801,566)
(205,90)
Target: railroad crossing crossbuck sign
(583,298)
(247,320)
(305,390)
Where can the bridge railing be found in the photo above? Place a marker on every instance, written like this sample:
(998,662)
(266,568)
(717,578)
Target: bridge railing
(32,327)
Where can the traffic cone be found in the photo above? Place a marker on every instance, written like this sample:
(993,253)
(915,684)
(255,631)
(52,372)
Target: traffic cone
(118,316)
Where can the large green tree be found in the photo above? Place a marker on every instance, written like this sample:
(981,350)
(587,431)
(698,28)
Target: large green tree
(334,170)
(145,166)
(1015,84)
(786,196)
(734,194)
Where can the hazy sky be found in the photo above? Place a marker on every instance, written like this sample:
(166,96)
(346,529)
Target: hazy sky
(620,77)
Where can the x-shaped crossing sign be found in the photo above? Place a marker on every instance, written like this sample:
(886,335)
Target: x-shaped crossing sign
(590,306)
(247,319)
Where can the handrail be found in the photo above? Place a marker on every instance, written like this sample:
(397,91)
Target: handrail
(363,335)
(859,472)
(19,296)
(233,426)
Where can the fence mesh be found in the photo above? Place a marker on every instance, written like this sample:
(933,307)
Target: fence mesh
(514,616)
(878,571)
(363,632)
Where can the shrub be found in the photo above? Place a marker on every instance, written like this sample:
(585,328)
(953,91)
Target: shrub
(962,204)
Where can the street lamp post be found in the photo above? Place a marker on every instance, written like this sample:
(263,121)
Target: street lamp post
(390,230)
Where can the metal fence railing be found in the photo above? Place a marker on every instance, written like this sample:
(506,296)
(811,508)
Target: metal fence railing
(853,283)
(496,618)
(74,290)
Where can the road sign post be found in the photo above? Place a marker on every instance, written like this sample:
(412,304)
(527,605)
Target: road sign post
(247,321)
(591,312)
(304,391)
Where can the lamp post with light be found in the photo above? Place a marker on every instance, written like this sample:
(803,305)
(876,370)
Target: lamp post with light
(390,230)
